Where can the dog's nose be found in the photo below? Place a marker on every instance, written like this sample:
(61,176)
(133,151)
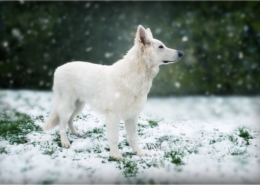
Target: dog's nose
(180,53)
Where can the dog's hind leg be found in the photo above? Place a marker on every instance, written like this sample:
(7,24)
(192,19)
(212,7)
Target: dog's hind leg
(78,108)
(131,130)
(112,125)
(65,111)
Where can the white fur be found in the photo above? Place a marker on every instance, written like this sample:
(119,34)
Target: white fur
(119,91)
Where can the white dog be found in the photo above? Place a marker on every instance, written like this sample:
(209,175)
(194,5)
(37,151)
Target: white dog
(119,91)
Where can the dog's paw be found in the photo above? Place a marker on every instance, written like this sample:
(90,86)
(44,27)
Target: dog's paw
(65,144)
(116,157)
(79,134)
(143,153)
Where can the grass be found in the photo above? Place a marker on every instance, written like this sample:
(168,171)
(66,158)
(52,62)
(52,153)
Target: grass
(15,126)
(130,154)
(123,144)
(3,150)
(244,133)
(236,151)
(153,123)
(129,168)
(97,150)
(48,152)
(98,132)
(48,181)
(160,140)
(175,157)
(143,125)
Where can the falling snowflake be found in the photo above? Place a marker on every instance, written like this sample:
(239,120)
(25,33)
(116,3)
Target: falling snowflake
(108,55)
(89,49)
(240,55)
(16,33)
(177,85)
(185,39)
(5,44)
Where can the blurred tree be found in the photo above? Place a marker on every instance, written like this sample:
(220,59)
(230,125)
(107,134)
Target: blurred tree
(221,42)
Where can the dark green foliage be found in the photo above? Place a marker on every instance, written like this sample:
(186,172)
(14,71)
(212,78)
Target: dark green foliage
(130,154)
(3,150)
(220,52)
(48,181)
(48,152)
(112,159)
(128,167)
(95,131)
(123,144)
(142,126)
(153,123)
(244,133)
(98,131)
(212,141)
(233,139)
(175,157)
(14,127)
(238,152)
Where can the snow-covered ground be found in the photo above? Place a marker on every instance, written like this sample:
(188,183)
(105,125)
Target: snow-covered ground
(196,140)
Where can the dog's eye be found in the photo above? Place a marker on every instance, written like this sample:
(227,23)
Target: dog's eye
(161,46)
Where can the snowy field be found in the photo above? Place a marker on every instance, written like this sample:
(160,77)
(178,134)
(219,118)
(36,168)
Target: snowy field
(191,139)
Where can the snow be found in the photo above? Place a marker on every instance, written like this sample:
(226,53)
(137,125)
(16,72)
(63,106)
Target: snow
(185,39)
(108,55)
(5,44)
(240,55)
(88,49)
(198,124)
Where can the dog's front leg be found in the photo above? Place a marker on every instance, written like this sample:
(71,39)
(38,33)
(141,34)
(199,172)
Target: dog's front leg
(112,125)
(131,130)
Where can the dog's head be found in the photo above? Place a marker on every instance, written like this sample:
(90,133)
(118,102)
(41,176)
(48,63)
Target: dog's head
(154,49)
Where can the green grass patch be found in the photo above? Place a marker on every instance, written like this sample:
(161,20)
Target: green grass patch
(15,126)
(153,123)
(98,132)
(48,152)
(49,181)
(123,144)
(244,133)
(3,150)
(167,138)
(129,168)
(236,151)
(112,159)
(175,157)
(233,139)
(142,125)
(130,154)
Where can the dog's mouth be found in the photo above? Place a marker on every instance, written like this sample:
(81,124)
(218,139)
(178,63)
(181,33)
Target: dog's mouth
(169,62)
(166,62)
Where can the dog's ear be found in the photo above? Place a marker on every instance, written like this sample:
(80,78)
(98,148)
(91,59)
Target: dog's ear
(142,36)
(149,32)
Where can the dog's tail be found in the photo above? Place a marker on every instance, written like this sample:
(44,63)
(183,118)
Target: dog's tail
(52,121)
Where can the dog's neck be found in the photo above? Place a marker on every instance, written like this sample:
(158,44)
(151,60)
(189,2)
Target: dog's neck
(138,73)
(141,63)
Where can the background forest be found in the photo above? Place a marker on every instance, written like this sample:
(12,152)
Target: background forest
(220,40)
